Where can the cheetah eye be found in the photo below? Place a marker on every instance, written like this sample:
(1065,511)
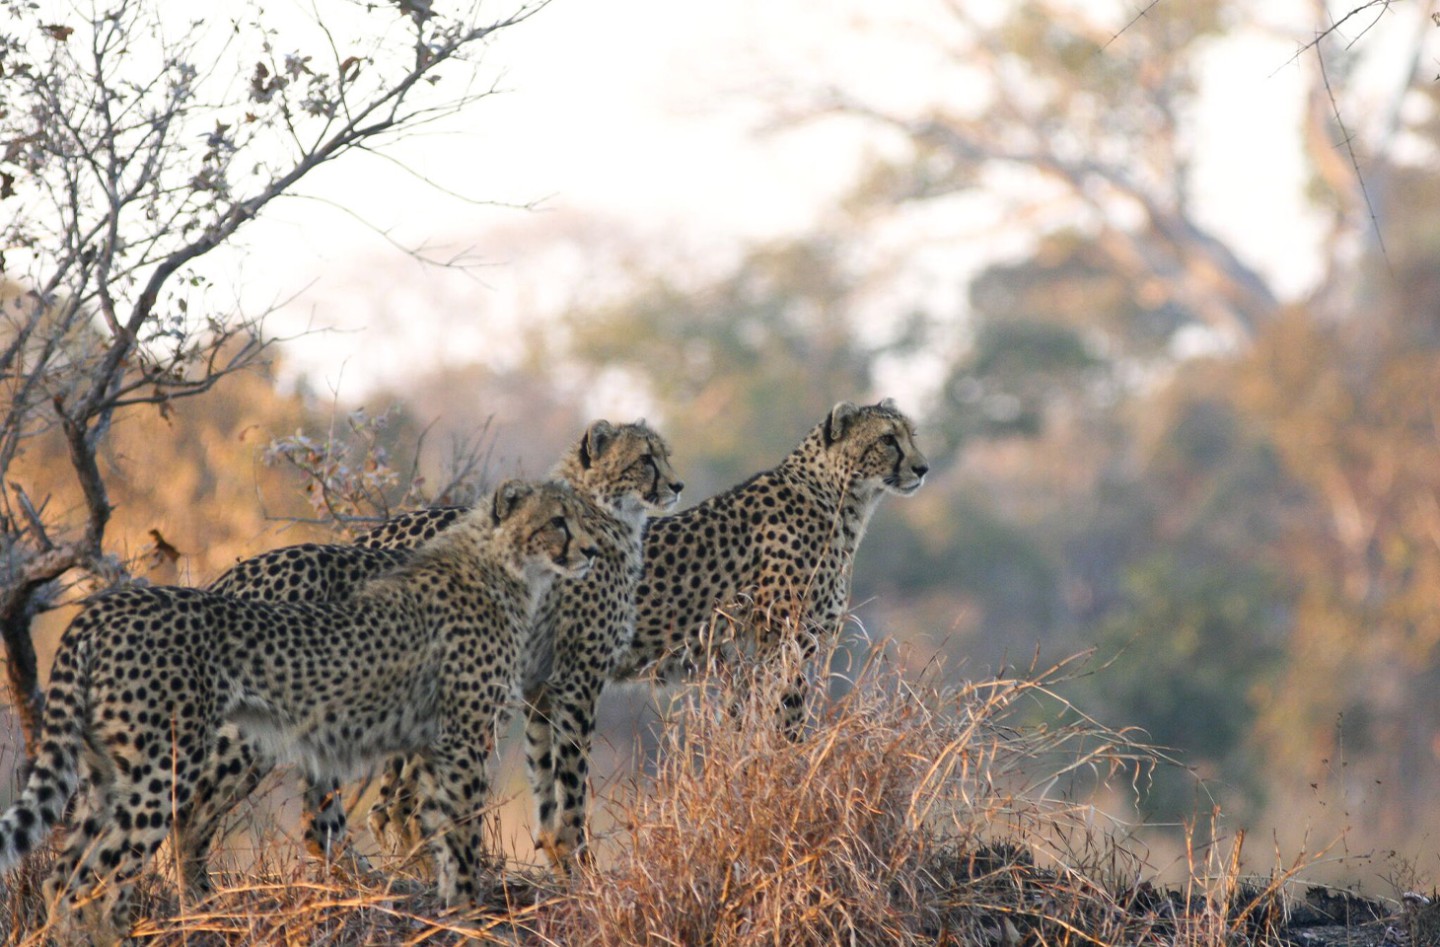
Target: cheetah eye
(890,440)
(557,523)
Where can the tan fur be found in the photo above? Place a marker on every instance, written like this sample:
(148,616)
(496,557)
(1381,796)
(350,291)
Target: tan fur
(775,551)
(583,628)
(418,661)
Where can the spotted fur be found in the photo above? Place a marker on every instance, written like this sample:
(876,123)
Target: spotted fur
(418,661)
(583,628)
(776,551)
(301,574)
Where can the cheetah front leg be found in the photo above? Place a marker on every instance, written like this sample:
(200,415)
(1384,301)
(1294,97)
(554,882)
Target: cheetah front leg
(792,628)
(558,750)
(540,765)
(232,771)
(326,828)
(452,791)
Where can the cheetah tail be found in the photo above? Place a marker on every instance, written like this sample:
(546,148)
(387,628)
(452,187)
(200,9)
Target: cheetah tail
(54,772)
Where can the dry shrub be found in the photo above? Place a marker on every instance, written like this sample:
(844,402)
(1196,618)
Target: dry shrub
(276,896)
(283,900)
(909,815)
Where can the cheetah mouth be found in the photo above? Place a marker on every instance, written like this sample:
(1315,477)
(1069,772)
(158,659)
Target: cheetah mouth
(904,487)
(662,503)
(574,568)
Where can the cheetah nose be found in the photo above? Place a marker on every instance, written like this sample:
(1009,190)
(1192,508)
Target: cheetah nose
(921,469)
(590,552)
(677,486)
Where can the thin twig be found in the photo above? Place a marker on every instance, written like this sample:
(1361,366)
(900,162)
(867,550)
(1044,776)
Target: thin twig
(1348,141)
(1135,19)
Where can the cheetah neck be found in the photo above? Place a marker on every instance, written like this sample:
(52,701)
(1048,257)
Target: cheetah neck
(472,547)
(853,499)
(620,504)
(860,502)
(538,579)
(631,514)
(813,464)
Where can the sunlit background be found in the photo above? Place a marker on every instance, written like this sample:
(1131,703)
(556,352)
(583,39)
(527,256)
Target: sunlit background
(1160,283)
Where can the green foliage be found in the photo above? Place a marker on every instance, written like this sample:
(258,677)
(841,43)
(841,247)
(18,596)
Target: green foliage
(744,365)
(1191,646)
(1069,282)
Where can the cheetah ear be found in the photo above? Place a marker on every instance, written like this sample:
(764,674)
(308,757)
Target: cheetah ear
(598,436)
(840,417)
(507,497)
(888,404)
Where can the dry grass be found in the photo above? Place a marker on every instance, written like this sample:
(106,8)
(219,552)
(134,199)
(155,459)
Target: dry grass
(909,814)
(906,816)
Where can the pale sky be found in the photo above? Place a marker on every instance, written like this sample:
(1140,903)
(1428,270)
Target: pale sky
(643,115)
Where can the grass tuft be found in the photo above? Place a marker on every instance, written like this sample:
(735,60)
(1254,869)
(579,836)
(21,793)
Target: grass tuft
(907,814)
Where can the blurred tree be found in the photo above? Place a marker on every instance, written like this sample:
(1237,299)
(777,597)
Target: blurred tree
(1185,594)
(133,147)
(745,365)
(1082,124)
(1097,124)
(1058,333)
(1353,413)
(1190,661)
(1176,516)
(1351,407)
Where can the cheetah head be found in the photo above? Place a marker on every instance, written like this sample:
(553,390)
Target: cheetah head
(546,525)
(627,465)
(877,443)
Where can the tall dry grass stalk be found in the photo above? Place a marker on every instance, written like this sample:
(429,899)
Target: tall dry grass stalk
(909,815)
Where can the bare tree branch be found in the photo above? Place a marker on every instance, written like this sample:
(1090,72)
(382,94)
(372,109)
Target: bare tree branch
(1335,25)
(125,153)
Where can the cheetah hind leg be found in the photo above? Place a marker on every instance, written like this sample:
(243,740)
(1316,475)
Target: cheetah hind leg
(792,709)
(393,818)
(232,771)
(95,893)
(60,888)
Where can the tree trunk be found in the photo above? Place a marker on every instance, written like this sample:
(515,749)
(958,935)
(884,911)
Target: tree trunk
(20,666)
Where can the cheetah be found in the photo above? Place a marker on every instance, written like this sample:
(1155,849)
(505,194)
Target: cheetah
(309,572)
(779,547)
(418,661)
(583,628)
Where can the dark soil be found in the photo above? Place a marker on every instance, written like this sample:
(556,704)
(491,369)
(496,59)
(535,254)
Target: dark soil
(1329,918)
(1028,911)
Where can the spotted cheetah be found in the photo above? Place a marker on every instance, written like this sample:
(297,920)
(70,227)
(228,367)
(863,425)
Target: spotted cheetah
(625,473)
(305,573)
(417,661)
(778,547)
